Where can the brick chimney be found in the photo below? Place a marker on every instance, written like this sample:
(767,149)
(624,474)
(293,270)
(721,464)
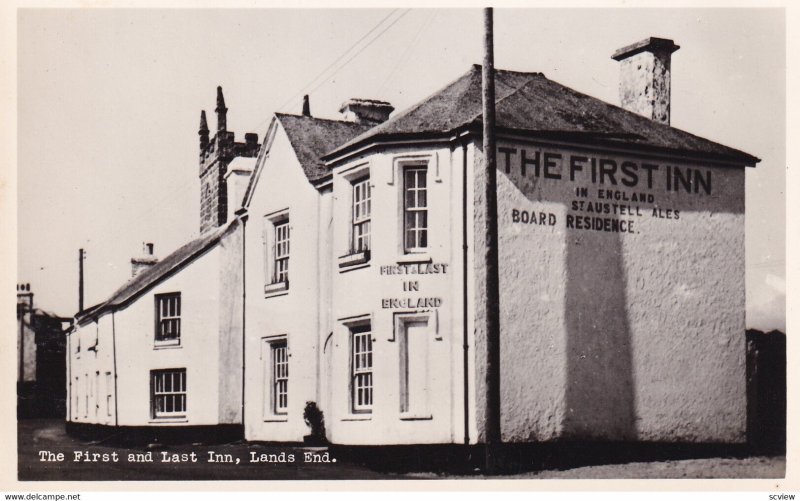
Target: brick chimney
(366,111)
(145,261)
(644,81)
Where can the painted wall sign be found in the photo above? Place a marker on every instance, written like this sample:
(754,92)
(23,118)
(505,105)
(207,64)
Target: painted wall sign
(605,171)
(411,302)
(414,269)
(412,285)
(613,193)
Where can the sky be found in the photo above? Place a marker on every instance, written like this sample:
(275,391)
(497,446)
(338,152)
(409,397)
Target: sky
(109,105)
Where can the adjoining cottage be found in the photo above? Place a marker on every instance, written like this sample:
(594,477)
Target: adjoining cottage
(165,350)
(621,272)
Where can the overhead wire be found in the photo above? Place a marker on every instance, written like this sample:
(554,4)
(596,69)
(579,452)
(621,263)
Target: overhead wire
(173,194)
(407,54)
(361,50)
(328,67)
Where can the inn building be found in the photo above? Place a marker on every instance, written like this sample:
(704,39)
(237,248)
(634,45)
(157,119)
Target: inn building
(343,274)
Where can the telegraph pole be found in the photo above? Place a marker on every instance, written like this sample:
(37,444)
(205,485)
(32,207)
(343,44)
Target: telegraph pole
(491,265)
(81,256)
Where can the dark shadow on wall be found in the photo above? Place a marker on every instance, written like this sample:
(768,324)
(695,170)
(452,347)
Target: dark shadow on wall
(766,391)
(599,371)
(599,386)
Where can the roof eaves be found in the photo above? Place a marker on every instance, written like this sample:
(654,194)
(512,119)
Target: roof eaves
(628,142)
(122,297)
(254,177)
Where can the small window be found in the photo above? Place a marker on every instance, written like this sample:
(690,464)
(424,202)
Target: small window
(362,211)
(281,265)
(415,208)
(109,392)
(168,393)
(280,377)
(168,318)
(76,389)
(277,238)
(96,392)
(361,364)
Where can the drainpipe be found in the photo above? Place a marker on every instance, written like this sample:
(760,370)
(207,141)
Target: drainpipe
(243,219)
(69,377)
(465,247)
(114,355)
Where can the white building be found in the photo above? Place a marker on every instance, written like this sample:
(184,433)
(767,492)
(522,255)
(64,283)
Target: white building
(165,350)
(621,271)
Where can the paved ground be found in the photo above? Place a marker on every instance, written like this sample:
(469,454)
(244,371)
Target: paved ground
(752,467)
(49,435)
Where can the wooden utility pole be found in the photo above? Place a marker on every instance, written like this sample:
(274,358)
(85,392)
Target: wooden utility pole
(81,255)
(491,264)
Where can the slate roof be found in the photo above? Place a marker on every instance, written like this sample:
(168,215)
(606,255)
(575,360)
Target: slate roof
(533,104)
(158,271)
(311,137)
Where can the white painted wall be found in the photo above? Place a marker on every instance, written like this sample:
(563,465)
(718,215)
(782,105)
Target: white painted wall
(358,292)
(292,314)
(635,336)
(137,354)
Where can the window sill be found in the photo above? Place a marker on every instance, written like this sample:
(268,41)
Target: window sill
(415,417)
(354,260)
(166,345)
(358,417)
(276,419)
(420,257)
(276,289)
(168,420)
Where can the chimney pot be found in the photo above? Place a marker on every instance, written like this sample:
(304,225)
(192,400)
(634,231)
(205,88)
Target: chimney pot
(366,111)
(145,261)
(645,77)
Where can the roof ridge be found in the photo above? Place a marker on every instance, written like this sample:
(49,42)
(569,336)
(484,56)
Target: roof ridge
(154,273)
(293,115)
(424,100)
(498,101)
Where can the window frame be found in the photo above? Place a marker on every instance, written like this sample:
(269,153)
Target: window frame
(357,332)
(109,392)
(280,257)
(360,206)
(275,347)
(159,338)
(155,393)
(270,232)
(415,247)
(77,393)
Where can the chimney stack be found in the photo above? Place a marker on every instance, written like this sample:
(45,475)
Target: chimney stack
(25,296)
(644,83)
(306,106)
(366,111)
(145,261)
